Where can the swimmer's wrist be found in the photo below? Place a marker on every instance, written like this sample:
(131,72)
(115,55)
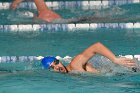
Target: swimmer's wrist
(114,60)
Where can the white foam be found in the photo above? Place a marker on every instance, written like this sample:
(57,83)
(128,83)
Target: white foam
(129,56)
(67,58)
(137,56)
(59,58)
(39,58)
(27,14)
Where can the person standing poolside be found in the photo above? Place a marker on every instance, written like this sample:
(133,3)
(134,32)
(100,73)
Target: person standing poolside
(44,13)
(80,62)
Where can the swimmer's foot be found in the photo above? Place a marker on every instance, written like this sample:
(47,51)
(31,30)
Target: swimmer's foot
(15,4)
(48,16)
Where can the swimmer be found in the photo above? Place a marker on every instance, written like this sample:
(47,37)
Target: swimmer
(44,13)
(80,62)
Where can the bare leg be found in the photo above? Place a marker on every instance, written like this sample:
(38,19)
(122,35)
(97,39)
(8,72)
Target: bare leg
(44,13)
(15,4)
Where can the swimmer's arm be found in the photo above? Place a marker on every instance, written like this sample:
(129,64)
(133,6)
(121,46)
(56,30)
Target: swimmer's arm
(76,67)
(89,68)
(99,48)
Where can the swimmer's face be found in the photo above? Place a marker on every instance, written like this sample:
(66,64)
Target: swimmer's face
(59,67)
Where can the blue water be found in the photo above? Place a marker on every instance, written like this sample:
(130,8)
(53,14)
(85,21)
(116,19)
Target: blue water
(62,43)
(29,77)
(51,82)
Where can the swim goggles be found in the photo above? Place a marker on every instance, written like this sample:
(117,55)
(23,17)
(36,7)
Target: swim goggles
(56,62)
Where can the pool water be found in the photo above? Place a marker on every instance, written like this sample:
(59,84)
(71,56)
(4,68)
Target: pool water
(122,13)
(29,77)
(62,43)
(50,82)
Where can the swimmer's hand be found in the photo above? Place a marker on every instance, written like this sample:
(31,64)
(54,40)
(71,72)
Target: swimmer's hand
(125,62)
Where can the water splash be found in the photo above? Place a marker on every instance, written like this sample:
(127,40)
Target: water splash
(104,65)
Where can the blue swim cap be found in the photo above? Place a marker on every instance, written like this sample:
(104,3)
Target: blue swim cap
(46,61)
